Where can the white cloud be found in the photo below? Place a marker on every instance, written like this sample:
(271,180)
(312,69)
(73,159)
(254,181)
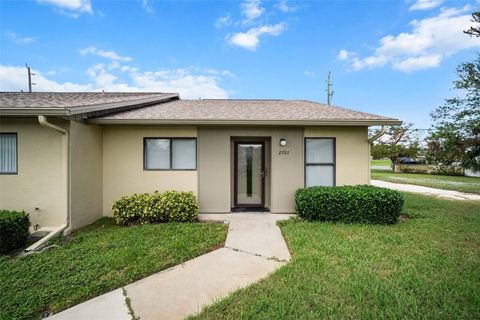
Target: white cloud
(425,4)
(215,72)
(223,21)
(418,63)
(71,8)
(343,55)
(14,78)
(250,40)
(285,7)
(189,85)
(251,10)
(189,82)
(18,39)
(112,55)
(429,42)
(147,6)
(253,24)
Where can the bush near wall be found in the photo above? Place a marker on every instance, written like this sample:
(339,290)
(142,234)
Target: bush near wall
(448,170)
(414,170)
(364,204)
(13,230)
(444,170)
(169,206)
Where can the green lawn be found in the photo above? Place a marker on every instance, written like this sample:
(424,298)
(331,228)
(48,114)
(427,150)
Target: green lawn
(457,183)
(426,267)
(380,162)
(99,258)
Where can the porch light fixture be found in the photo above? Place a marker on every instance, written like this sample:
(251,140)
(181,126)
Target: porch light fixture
(283,142)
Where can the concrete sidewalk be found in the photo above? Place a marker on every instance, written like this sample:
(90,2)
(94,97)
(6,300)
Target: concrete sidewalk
(253,249)
(448,194)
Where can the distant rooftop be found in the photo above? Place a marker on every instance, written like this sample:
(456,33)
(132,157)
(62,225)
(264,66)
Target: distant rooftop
(75,102)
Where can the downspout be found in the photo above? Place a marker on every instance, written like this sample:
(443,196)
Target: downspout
(376,136)
(44,122)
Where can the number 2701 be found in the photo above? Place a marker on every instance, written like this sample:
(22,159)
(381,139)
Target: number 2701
(283,152)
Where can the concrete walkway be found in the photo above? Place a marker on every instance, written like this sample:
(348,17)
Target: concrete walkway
(448,194)
(253,249)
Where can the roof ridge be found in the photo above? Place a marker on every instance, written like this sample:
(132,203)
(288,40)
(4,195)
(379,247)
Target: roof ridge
(89,92)
(235,99)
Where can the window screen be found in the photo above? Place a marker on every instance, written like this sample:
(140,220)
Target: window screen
(319,162)
(170,154)
(8,153)
(157,154)
(184,153)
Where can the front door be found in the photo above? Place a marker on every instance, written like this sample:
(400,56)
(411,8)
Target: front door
(249,174)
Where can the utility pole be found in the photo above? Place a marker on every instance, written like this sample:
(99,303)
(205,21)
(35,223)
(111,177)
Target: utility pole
(329,94)
(30,74)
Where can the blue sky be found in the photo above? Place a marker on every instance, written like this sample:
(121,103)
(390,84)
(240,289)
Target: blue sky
(395,58)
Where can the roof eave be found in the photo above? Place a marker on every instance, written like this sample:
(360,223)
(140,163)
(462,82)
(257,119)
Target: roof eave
(66,111)
(33,111)
(122,104)
(348,122)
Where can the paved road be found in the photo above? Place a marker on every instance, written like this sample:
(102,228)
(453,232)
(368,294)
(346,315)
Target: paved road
(448,194)
(253,249)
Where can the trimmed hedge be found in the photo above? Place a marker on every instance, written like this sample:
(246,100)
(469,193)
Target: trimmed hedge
(169,206)
(13,230)
(364,204)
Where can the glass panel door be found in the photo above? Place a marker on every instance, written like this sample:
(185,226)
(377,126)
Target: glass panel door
(249,174)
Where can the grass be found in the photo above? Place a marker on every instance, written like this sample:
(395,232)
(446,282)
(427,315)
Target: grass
(457,183)
(426,267)
(381,163)
(97,259)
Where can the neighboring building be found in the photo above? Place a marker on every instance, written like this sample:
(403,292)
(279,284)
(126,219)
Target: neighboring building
(66,157)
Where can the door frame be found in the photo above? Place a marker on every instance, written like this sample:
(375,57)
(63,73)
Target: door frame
(235,173)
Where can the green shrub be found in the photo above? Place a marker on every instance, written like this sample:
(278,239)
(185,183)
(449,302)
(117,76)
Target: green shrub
(448,170)
(157,207)
(364,204)
(134,209)
(179,206)
(13,230)
(413,170)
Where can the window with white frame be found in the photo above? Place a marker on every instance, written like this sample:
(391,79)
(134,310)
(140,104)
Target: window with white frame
(319,162)
(8,153)
(170,154)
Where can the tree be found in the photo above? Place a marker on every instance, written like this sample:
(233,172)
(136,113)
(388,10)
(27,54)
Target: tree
(397,142)
(455,135)
(378,151)
(474,30)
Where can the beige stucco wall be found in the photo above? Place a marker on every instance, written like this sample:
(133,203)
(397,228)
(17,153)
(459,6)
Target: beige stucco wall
(286,173)
(123,172)
(86,173)
(41,179)
(352,152)
(107,162)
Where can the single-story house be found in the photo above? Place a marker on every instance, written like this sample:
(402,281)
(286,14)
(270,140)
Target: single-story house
(66,157)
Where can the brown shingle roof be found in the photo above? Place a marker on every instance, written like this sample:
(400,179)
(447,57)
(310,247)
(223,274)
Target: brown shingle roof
(220,110)
(69,99)
(75,102)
